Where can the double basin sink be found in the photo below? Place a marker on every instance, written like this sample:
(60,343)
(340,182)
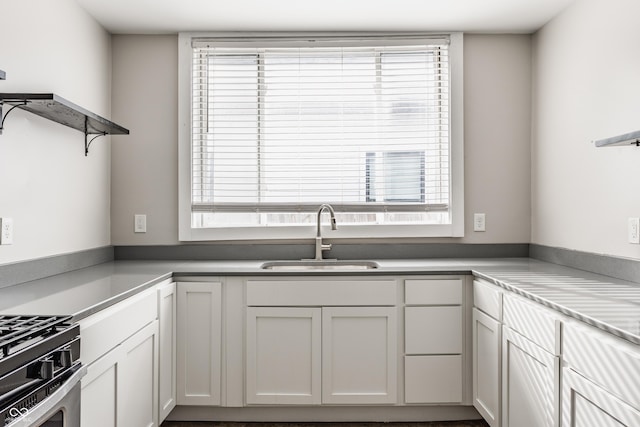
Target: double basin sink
(325,264)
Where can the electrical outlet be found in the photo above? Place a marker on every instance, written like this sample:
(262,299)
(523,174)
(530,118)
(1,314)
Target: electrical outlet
(633,230)
(478,222)
(6,231)
(139,223)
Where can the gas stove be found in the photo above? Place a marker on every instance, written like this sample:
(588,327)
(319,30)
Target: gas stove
(37,355)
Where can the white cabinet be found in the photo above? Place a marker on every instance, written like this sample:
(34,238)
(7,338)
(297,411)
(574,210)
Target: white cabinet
(166,349)
(334,350)
(359,360)
(313,355)
(530,364)
(487,351)
(433,341)
(486,366)
(138,379)
(99,392)
(120,388)
(120,350)
(601,379)
(587,404)
(530,383)
(283,355)
(199,342)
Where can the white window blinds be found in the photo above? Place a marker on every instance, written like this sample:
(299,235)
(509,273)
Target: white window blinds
(281,128)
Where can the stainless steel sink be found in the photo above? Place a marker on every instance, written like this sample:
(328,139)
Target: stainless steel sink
(311,265)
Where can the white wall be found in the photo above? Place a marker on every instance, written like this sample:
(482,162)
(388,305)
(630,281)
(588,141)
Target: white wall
(586,87)
(58,199)
(497,112)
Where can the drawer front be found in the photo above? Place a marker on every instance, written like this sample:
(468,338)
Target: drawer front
(533,321)
(433,330)
(323,292)
(433,292)
(488,298)
(433,379)
(104,330)
(611,362)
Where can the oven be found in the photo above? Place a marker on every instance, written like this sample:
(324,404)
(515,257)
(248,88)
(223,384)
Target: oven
(40,371)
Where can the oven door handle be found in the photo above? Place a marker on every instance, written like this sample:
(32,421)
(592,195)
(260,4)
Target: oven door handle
(52,402)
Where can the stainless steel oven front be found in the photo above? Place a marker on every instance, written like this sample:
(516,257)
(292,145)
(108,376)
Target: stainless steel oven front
(59,409)
(40,371)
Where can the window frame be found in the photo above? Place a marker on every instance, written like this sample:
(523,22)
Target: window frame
(454,229)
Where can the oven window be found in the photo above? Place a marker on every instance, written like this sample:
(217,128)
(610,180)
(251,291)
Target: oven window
(56,420)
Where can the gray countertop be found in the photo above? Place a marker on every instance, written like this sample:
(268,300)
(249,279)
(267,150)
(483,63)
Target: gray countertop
(610,304)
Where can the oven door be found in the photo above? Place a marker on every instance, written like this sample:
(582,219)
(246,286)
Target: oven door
(60,409)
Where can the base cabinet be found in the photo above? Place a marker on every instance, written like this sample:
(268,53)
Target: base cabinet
(434,339)
(530,383)
(199,343)
(585,404)
(166,349)
(283,355)
(120,388)
(359,355)
(486,366)
(313,355)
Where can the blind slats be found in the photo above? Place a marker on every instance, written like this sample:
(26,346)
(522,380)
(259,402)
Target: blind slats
(282,130)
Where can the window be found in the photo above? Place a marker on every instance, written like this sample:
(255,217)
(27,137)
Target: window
(272,128)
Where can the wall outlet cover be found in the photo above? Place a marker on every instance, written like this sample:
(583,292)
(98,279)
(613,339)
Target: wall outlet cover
(479,223)
(139,223)
(6,231)
(633,230)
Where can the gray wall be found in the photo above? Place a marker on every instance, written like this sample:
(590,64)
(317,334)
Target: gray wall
(497,138)
(59,199)
(586,87)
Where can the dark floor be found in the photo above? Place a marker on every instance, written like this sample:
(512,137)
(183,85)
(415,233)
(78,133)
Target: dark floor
(229,424)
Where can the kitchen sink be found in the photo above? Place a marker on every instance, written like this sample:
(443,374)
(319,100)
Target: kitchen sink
(312,265)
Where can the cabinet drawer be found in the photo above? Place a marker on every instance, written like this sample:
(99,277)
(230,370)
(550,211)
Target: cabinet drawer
(433,292)
(433,379)
(321,292)
(433,330)
(104,330)
(533,321)
(488,298)
(605,359)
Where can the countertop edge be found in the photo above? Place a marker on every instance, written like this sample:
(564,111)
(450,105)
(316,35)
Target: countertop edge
(560,308)
(178,269)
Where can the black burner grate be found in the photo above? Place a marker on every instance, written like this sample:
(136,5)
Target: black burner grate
(24,338)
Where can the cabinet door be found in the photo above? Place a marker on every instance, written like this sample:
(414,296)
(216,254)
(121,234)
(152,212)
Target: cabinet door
(486,367)
(98,404)
(120,388)
(530,383)
(137,386)
(283,355)
(359,355)
(585,404)
(167,349)
(433,330)
(433,379)
(199,343)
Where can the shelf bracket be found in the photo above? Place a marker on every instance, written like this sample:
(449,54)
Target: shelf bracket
(7,113)
(87,141)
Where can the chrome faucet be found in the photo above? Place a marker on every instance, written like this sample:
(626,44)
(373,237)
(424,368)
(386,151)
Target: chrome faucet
(319,245)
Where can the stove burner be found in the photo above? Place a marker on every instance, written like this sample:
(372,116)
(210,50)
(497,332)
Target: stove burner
(25,338)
